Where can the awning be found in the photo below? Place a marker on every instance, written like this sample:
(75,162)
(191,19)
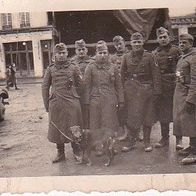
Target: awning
(143,20)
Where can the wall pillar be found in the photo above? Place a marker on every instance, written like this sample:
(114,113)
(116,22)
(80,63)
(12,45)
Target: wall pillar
(2,62)
(37,58)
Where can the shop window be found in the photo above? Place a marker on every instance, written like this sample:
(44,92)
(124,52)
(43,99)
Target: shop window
(6,21)
(24,19)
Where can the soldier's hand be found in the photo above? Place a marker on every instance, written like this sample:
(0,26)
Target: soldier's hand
(189,108)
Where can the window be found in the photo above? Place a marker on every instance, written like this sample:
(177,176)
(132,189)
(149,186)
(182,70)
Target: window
(24,19)
(6,21)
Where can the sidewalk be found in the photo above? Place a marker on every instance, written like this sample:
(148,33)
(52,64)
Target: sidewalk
(24,81)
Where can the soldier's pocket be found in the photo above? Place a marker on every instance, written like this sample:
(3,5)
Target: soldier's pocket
(52,98)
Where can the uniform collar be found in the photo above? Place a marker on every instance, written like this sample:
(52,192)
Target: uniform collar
(167,48)
(103,66)
(64,65)
(190,52)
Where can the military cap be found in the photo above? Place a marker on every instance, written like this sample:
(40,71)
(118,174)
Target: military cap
(137,36)
(186,36)
(59,47)
(80,43)
(118,38)
(161,31)
(101,45)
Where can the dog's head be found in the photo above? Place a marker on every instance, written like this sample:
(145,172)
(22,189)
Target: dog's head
(77,133)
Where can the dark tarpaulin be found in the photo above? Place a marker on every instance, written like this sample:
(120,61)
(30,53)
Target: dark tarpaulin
(142,20)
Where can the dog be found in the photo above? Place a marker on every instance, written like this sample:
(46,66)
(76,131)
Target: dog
(103,140)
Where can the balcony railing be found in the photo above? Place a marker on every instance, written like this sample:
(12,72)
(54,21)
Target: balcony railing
(7,27)
(24,25)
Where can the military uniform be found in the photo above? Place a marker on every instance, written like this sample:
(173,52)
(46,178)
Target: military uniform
(141,79)
(116,59)
(184,111)
(167,58)
(62,102)
(82,63)
(184,123)
(104,92)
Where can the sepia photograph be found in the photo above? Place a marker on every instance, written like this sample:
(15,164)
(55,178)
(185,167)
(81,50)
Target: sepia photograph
(98,92)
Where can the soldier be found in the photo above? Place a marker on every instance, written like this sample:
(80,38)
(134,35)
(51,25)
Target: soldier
(141,79)
(104,90)
(63,102)
(166,56)
(116,58)
(81,59)
(119,44)
(184,111)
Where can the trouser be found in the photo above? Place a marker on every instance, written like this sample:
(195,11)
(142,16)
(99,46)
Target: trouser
(193,144)
(75,147)
(60,148)
(85,115)
(133,133)
(147,132)
(164,130)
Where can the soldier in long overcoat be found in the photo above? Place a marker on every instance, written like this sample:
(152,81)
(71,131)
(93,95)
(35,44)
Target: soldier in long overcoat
(81,59)
(116,58)
(166,56)
(104,90)
(184,111)
(62,102)
(141,79)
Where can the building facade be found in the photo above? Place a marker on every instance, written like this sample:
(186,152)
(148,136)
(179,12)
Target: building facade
(25,39)
(184,24)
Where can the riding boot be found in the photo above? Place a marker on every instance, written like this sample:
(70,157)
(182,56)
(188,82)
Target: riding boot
(60,153)
(191,158)
(179,145)
(131,140)
(165,136)
(147,132)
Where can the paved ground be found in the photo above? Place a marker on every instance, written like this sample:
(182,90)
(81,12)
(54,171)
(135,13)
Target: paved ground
(25,150)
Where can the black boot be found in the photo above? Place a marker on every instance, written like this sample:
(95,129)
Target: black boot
(131,140)
(60,154)
(165,136)
(179,145)
(147,132)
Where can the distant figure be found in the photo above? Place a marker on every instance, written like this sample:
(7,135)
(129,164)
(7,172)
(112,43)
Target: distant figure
(11,76)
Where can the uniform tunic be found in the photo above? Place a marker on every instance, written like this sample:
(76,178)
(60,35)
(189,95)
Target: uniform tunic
(116,59)
(167,58)
(104,92)
(63,102)
(141,79)
(184,123)
(82,64)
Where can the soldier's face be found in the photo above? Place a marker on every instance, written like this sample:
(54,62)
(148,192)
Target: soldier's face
(163,39)
(185,45)
(120,46)
(81,52)
(102,56)
(137,45)
(61,56)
